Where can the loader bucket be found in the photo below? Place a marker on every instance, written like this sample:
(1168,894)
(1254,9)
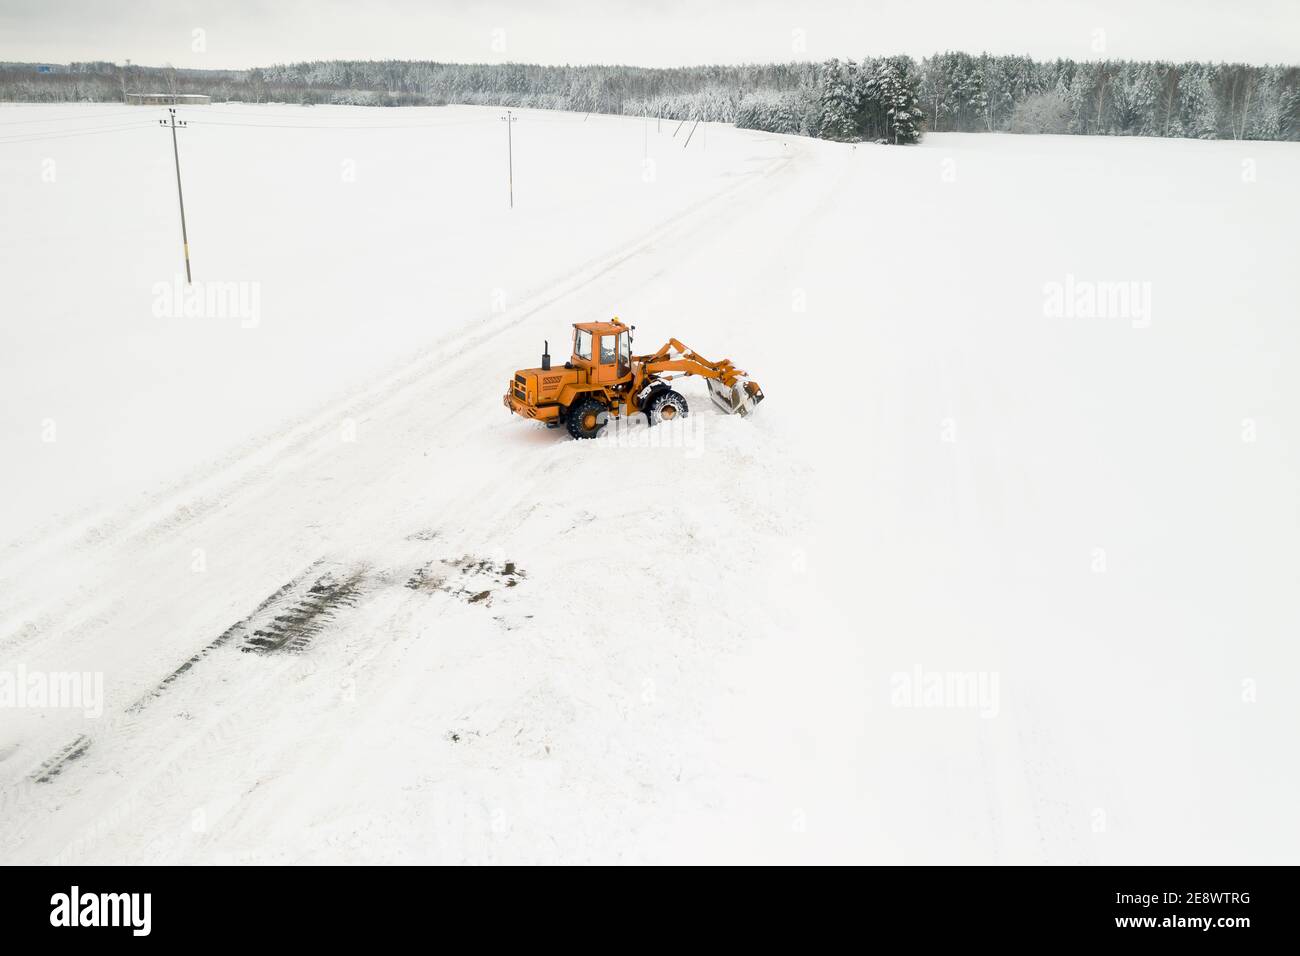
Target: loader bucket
(740,398)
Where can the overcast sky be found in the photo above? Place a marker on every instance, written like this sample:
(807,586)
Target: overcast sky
(243,33)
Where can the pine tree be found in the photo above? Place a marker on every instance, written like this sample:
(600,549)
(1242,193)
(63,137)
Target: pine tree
(1079,95)
(1199,113)
(839,105)
(1167,84)
(1144,100)
(1288,109)
(935,91)
(898,90)
(975,98)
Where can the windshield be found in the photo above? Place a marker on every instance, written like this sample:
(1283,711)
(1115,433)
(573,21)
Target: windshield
(624,356)
(582,344)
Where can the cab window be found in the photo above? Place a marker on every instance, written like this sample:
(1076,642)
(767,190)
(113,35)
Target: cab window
(624,355)
(582,344)
(607,350)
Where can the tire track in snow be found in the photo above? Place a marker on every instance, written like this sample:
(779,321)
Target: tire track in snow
(210,488)
(252,677)
(284,627)
(164,517)
(54,765)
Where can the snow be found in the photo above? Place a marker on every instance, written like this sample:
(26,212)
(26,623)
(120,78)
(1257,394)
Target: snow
(707,645)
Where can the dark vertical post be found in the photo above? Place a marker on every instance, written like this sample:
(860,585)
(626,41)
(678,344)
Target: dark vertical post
(690,134)
(510,156)
(180,195)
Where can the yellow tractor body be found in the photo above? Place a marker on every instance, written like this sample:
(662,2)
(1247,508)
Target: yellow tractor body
(603,380)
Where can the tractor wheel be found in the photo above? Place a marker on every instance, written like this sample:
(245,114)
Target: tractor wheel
(586,418)
(666,406)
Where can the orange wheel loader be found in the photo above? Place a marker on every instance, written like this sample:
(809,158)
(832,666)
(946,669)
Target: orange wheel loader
(603,380)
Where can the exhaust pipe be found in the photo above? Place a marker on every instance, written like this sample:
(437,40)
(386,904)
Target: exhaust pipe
(546,355)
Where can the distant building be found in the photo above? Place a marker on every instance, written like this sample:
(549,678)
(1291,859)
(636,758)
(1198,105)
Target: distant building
(168,99)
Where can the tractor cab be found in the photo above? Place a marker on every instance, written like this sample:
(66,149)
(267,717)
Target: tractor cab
(604,350)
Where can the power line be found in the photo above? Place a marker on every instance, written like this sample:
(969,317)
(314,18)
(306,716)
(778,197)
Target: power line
(71,134)
(320,111)
(74,129)
(324,126)
(32,136)
(61,119)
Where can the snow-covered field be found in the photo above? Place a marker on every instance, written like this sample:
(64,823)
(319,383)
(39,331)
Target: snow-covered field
(1003,570)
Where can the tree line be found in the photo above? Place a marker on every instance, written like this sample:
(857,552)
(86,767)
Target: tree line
(882,99)
(1114,97)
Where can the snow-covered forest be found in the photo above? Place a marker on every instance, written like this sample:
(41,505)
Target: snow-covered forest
(965,93)
(892,99)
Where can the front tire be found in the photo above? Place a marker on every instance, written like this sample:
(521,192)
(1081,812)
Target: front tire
(666,406)
(586,418)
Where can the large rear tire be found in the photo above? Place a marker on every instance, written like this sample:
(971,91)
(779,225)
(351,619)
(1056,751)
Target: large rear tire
(586,418)
(666,406)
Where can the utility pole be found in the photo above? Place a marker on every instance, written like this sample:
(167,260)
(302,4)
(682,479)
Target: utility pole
(509,120)
(690,134)
(185,238)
